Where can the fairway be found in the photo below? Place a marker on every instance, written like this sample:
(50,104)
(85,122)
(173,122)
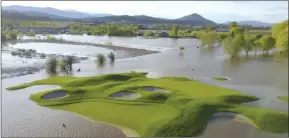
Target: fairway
(182,109)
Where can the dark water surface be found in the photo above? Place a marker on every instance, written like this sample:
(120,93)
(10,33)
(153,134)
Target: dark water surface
(266,78)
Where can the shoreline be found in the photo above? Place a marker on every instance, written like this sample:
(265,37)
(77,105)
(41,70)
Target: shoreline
(121,53)
(112,47)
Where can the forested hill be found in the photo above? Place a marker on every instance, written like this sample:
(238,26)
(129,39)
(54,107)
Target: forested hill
(29,13)
(142,19)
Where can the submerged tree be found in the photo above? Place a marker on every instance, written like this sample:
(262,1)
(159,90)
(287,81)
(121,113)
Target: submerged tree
(208,38)
(51,65)
(111,57)
(248,45)
(267,43)
(69,60)
(100,59)
(256,46)
(280,34)
(233,45)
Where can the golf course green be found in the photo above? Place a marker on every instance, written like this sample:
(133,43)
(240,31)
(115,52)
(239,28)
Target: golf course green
(182,111)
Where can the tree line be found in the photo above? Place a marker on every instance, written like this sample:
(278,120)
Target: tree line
(236,40)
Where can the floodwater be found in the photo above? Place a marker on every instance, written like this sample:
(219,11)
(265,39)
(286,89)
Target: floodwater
(266,78)
(64,49)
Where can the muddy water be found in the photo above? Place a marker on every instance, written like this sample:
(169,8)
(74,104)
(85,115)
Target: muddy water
(229,125)
(266,78)
(23,118)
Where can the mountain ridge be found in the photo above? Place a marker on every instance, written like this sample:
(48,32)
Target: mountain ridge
(53,11)
(252,23)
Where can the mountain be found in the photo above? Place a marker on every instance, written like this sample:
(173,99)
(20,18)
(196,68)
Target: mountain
(195,17)
(65,13)
(30,15)
(142,19)
(252,23)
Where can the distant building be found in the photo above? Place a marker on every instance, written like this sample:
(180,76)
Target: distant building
(163,34)
(44,30)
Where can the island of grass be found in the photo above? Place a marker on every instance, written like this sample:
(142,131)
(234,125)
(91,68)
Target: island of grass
(284,98)
(183,111)
(220,78)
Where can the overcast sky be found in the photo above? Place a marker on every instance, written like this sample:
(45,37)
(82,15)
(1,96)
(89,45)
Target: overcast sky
(217,11)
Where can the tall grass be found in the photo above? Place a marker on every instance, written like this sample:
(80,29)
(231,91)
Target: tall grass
(51,65)
(111,57)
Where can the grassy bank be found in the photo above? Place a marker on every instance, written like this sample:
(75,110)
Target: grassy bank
(220,78)
(284,98)
(184,111)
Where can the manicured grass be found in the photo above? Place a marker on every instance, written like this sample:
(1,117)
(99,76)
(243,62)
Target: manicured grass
(220,78)
(182,112)
(284,98)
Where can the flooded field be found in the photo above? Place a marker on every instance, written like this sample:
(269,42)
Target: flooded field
(266,78)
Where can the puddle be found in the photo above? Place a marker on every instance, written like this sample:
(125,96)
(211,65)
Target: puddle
(125,95)
(154,89)
(55,95)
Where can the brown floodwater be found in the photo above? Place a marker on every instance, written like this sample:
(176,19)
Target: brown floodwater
(266,78)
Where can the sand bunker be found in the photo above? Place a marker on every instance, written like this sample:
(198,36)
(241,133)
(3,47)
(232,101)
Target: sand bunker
(154,89)
(125,95)
(55,94)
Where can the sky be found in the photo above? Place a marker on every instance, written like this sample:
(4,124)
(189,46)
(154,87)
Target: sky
(217,11)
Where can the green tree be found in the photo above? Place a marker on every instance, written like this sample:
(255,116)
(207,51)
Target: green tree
(31,33)
(248,45)
(256,46)
(148,34)
(233,25)
(282,41)
(280,33)
(237,31)
(267,43)
(174,32)
(208,38)
(232,45)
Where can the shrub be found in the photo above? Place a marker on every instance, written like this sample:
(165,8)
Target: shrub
(31,33)
(111,56)
(100,59)
(69,61)
(51,65)
(62,65)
